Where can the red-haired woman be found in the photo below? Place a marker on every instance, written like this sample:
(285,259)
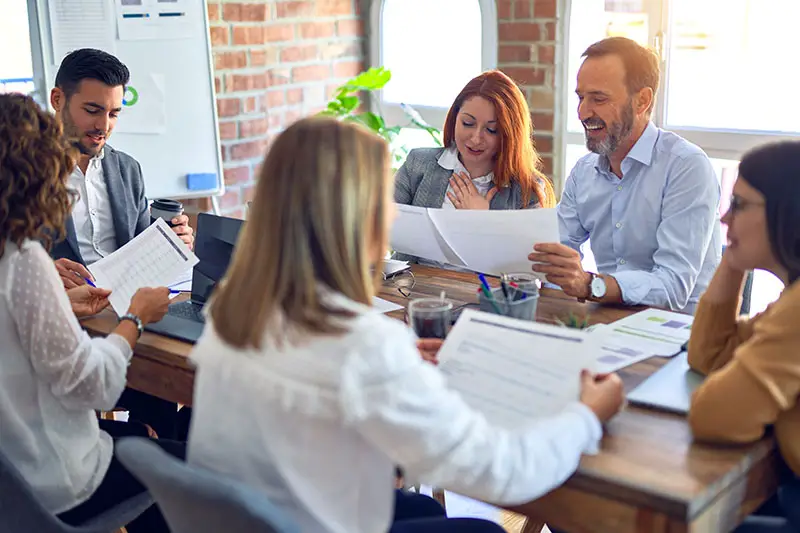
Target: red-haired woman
(489,160)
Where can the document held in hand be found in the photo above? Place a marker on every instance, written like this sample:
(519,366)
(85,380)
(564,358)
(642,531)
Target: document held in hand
(154,258)
(492,241)
(514,371)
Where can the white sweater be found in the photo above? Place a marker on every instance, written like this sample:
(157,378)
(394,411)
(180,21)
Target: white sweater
(319,425)
(52,377)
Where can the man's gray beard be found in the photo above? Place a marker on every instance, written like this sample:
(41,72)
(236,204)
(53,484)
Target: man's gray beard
(617,133)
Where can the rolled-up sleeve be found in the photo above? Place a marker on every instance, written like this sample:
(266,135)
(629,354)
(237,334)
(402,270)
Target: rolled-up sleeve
(688,219)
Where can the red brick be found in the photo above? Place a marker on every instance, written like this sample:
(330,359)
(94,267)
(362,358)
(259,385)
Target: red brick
(274,99)
(329,8)
(245,12)
(258,58)
(547,165)
(331,90)
(549,32)
(228,107)
(276,121)
(253,128)
(542,121)
(514,53)
(349,28)
(339,49)
(526,75)
(231,199)
(291,117)
(236,175)
(250,104)
(347,69)
(247,150)
(248,82)
(213,12)
(227,130)
(544,145)
(294,9)
(504,9)
(519,31)
(311,73)
(217,84)
(547,54)
(522,9)
(219,35)
(294,96)
(249,193)
(229,60)
(316,30)
(244,35)
(278,76)
(544,9)
(296,54)
(278,33)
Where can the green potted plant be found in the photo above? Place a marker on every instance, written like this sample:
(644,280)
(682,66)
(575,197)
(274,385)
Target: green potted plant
(346,104)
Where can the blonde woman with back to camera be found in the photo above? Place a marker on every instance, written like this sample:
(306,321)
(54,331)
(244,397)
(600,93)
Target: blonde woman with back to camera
(307,393)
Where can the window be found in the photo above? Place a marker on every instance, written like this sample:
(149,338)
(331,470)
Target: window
(414,39)
(16,65)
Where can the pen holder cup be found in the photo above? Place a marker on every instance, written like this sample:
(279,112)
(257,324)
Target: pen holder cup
(521,303)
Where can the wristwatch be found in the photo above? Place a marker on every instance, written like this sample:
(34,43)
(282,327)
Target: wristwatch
(136,320)
(597,286)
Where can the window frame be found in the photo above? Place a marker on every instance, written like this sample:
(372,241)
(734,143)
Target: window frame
(717,143)
(435,116)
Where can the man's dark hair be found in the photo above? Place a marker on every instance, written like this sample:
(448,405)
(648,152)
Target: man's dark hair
(641,64)
(88,63)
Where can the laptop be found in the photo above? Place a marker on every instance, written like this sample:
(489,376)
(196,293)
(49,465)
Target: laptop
(670,388)
(214,243)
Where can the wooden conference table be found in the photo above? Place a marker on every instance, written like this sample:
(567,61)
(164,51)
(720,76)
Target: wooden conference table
(649,476)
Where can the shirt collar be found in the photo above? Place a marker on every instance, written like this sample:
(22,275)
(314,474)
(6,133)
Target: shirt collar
(642,150)
(449,160)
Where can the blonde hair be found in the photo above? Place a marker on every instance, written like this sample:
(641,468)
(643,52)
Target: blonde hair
(317,218)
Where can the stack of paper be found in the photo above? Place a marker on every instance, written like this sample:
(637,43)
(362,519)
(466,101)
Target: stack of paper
(640,336)
(492,242)
(154,258)
(515,371)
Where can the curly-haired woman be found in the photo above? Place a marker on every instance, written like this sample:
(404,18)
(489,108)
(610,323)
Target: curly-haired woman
(52,375)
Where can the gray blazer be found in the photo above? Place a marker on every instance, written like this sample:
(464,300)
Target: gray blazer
(125,184)
(422,182)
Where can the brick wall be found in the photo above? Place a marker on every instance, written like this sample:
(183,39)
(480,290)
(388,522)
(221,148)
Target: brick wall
(275,61)
(528,35)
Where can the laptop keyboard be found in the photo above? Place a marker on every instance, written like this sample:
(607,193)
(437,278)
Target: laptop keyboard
(187,310)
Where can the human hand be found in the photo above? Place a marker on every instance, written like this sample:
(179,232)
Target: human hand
(180,225)
(562,266)
(87,300)
(429,349)
(72,274)
(602,393)
(150,304)
(465,195)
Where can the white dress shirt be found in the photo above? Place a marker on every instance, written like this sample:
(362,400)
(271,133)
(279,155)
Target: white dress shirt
(52,377)
(449,160)
(318,425)
(94,223)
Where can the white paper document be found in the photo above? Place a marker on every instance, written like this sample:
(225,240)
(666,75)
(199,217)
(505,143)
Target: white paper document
(492,242)
(653,331)
(154,258)
(183,282)
(514,371)
(78,24)
(392,266)
(139,20)
(144,105)
(384,306)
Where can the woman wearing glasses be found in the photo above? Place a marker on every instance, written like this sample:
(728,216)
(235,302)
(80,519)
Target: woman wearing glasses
(753,366)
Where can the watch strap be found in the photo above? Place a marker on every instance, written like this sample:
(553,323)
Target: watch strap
(136,320)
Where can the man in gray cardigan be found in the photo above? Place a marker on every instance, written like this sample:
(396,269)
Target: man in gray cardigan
(111,207)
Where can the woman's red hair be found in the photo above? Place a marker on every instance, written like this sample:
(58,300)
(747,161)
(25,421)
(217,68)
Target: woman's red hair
(516,158)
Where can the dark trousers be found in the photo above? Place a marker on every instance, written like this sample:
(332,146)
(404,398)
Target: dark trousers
(159,414)
(416,513)
(780,514)
(119,485)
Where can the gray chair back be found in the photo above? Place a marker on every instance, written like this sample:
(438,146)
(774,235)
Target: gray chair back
(194,500)
(21,511)
(747,292)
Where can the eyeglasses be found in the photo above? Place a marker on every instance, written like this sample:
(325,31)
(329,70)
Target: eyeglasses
(739,204)
(403,281)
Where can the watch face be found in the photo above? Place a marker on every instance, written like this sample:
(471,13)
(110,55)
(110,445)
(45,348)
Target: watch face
(598,287)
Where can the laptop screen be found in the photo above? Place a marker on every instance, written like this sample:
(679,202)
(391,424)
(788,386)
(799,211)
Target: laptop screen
(213,246)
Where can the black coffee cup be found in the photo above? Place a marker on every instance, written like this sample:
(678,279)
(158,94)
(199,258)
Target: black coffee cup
(165,209)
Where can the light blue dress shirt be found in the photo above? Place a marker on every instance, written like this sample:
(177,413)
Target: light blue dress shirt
(657,229)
